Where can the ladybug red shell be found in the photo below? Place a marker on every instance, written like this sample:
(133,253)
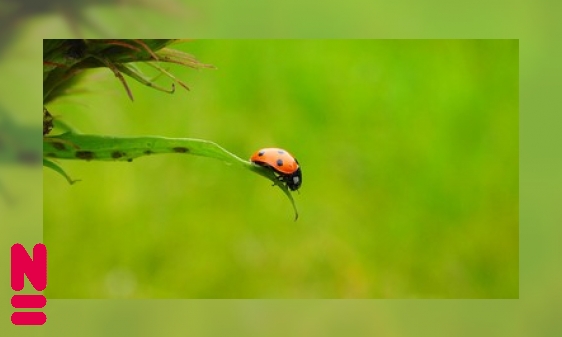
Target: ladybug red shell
(282,163)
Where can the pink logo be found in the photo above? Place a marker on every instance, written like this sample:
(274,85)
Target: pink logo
(36,271)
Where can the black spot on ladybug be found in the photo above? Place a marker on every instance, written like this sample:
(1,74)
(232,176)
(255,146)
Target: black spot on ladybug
(261,153)
(117,154)
(279,162)
(87,155)
(180,149)
(59,146)
(280,151)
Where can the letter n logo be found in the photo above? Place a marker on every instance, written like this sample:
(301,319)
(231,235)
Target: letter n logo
(36,271)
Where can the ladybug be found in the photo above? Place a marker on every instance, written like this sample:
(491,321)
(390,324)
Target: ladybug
(282,163)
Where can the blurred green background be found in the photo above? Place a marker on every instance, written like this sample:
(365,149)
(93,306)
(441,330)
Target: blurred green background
(409,152)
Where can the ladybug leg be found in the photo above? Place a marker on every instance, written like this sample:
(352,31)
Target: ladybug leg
(280,178)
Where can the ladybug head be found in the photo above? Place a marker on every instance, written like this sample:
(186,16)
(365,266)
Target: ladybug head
(293,180)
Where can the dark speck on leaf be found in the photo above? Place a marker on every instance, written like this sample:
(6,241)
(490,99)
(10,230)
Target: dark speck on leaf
(88,155)
(181,149)
(59,146)
(147,152)
(117,154)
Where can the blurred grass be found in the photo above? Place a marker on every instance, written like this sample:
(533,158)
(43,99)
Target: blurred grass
(409,152)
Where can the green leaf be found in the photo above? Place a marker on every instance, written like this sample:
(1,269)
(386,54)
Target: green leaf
(58,169)
(93,147)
